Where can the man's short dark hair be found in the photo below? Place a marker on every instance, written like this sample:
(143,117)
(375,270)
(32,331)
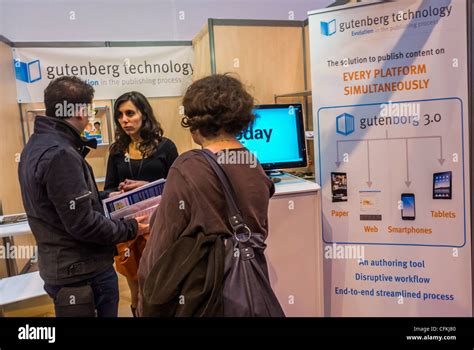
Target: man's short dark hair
(69,90)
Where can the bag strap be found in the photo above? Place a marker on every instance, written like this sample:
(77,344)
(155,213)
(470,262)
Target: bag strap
(235,217)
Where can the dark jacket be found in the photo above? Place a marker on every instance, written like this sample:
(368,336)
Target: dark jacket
(187,280)
(75,240)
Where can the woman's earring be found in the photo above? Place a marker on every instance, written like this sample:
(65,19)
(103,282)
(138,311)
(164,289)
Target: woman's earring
(184,120)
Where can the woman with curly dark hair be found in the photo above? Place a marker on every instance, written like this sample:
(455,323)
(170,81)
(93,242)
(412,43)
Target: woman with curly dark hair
(140,154)
(217,109)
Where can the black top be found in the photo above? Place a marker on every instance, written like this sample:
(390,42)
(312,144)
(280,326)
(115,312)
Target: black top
(150,169)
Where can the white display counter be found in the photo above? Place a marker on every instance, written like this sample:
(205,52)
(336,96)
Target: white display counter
(294,248)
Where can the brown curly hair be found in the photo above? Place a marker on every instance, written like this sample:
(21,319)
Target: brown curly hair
(217,103)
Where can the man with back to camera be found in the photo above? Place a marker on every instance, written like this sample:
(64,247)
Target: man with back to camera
(76,242)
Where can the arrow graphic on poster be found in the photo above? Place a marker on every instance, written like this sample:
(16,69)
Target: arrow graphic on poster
(407,182)
(369,183)
(441,160)
(337,155)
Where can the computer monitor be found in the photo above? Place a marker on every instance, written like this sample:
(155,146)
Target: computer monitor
(277,136)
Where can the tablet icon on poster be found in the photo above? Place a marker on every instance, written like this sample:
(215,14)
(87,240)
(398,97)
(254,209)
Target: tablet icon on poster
(442,183)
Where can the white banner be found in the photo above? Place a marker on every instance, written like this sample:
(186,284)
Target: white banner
(390,97)
(154,71)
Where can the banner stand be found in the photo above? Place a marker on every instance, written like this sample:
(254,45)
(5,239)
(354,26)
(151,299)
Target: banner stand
(390,108)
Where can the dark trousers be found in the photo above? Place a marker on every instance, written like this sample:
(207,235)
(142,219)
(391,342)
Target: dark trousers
(104,287)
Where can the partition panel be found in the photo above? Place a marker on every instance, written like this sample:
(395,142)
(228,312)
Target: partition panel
(269,60)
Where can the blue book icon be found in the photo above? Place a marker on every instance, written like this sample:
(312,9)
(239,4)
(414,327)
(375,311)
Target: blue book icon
(29,72)
(328,28)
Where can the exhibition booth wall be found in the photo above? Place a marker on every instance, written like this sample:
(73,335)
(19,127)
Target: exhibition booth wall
(11,145)
(270,58)
(365,174)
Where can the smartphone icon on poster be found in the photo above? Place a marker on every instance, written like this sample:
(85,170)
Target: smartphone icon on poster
(408,206)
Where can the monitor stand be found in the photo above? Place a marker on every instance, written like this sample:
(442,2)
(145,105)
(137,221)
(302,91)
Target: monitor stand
(272,174)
